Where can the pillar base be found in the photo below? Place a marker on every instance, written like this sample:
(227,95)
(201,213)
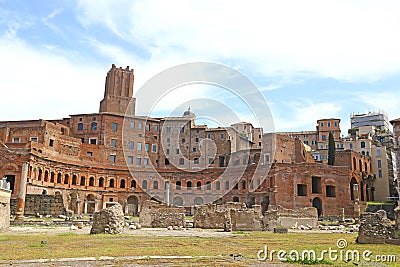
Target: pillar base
(19,220)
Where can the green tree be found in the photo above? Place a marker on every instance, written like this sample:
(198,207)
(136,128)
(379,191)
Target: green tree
(331,150)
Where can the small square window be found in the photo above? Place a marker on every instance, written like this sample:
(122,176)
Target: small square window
(132,125)
(130,160)
(113,142)
(131,145)
(34,139)
(197,140)
(210,160)
(196,160)
(16,140)
(138,161)
(154,148)
(93,141)
(194,149)
(140,126)
(80,126)
(89,153)
(114,127)
(155,128)
(112,158)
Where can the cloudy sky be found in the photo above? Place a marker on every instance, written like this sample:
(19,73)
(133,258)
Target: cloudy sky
(311,59)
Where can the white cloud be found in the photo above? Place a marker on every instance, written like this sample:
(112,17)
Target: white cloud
(338,39)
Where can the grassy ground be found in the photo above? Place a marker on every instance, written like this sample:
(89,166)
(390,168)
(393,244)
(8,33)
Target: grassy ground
(66,245)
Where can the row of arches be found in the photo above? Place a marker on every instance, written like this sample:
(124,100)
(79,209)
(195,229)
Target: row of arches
(361,166)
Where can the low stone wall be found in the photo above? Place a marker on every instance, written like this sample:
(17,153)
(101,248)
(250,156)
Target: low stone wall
(231,216)
(290,218)
(376,228)
(42,204)
(4,208)
(157,215)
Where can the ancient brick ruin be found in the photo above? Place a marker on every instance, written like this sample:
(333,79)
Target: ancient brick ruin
(154,214)
(376,228)
(41,204)
(4,208)
(108,221)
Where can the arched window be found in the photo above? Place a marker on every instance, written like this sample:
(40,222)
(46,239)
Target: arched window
(40,175)
(52,175)
(122,183)
(198,185)
(93,126)
(226,185)
(144,184)
(101,182)
(243,184)
(155,185)
(360,165)
(74,179)
(208,185)
(181,161)
(217,185)
(235,199)
(236,187)
(83,180)
(66,178)
(59,177)
(189,185)
(354,163)
(112,182)
(178,185)
(46,176)
(91,181)
(133,183)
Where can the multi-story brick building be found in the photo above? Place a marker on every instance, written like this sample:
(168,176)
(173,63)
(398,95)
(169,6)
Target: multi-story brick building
(94,160)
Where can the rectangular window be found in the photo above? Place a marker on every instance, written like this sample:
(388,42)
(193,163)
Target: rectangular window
(196,160)
(153,148)
(380,174)
(89,153)
(168,129)
(316,185)
(209,136)
(362,144)
(112,158)
(140,126)
(16,140)
(182,129)
(379,163)
(80,126)
(194,149)
(168,140)
(197,131)
(131,145)
(114,127)
(322,124)
(302,190)
(167,151)
(147,127)
(113,143)
(378,152)
(155,128)
(93,141)
(323,137)
(132,125)
(330,191)
(130,160)
(329,124)
(146,147)
(222,136)
(138,161)
(34,139)
(145,161)
(51,142)
(351,146)
(210,160)
(183,140)
(197,139)
(139,146)
(177,151)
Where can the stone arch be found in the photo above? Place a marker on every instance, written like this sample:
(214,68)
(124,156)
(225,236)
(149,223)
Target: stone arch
(235,199)
(198,201)
(44,192)
(59,178)
(133,204)
(178,185)
(353,181)
(52,175)
(133,183)
(122,183)
(250,201)
(46,176)
(73,202)
(189,185)
(10,166)
(57,193)
(178,201)
(74,179)
(83,181)
(40,174)
(91,181)
(90,203)
(317,203)
(101,182)
(111,183)
(66,178)
(208,185)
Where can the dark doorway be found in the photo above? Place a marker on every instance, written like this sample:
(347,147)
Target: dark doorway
(11,180)
(317,203)
(221,161)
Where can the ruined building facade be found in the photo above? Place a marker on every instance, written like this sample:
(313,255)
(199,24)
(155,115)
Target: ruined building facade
(95,160)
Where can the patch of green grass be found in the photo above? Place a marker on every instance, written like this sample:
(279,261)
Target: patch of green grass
(309,262)
(239,233)
(67,234)
(39,245)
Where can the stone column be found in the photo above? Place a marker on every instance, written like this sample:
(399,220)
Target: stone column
(126,207)
(78,204)
(356,204)
(167,187)
(19,218)
(85,207)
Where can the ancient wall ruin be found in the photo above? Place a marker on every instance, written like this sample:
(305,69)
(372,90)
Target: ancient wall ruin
(41,204)
(290,218)
(157,215)
(108,221)
(376,228)
(4,208)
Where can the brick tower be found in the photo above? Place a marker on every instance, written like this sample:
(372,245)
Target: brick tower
(118,92)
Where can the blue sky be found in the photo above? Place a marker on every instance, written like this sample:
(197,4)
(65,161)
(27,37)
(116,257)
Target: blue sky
(311,59)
